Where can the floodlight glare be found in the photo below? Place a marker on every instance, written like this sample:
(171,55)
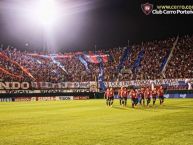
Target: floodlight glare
(45,11)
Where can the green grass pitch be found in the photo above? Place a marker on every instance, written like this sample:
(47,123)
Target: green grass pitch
(90,122)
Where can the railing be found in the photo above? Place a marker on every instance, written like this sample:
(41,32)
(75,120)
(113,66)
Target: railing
(170,56)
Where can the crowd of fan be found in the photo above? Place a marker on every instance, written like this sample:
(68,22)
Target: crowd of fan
(144,62)
(181,63)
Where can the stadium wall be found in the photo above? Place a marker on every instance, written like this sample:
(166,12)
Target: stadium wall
(12,91)
(80,96)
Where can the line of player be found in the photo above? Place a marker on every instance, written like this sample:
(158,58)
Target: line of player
(142,96)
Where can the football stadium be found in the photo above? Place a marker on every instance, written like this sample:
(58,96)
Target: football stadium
(82,72)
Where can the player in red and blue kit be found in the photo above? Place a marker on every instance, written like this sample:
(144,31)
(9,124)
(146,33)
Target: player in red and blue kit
(141,96)
(148,96)
(106,96)
(120,96)
(154,95)
(109,95)
(161,95)
(124,95)
(134,98)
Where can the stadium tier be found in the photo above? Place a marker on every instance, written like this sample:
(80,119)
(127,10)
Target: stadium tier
(170,59)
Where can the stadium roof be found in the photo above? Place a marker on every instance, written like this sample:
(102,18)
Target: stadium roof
(106,23)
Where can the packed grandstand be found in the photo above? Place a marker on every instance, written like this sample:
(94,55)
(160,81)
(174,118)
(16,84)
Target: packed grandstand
(158,59)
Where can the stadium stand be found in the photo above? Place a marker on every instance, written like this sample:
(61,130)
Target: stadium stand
(181,64)
(139,62)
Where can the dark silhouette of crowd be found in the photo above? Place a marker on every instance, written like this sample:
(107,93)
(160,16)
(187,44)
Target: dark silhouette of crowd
(145,61)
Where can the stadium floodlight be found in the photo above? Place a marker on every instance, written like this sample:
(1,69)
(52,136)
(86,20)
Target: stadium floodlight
(44,20)
(45,12)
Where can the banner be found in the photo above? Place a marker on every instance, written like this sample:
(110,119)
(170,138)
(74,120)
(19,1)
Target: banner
(66,97)
(139,83)
(178,95)
(80,97)
(45,85)
(6,100)
(26,99)
(93,87)
(54,91)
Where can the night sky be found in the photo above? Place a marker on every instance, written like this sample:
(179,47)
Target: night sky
(107,23)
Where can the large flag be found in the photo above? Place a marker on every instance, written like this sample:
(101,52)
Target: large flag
(96,58)
(84,63)
(58,64)
(52,55)
(123,59)
(101,77)
(138,60)
(99,58)
(2,55)
(9,73)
